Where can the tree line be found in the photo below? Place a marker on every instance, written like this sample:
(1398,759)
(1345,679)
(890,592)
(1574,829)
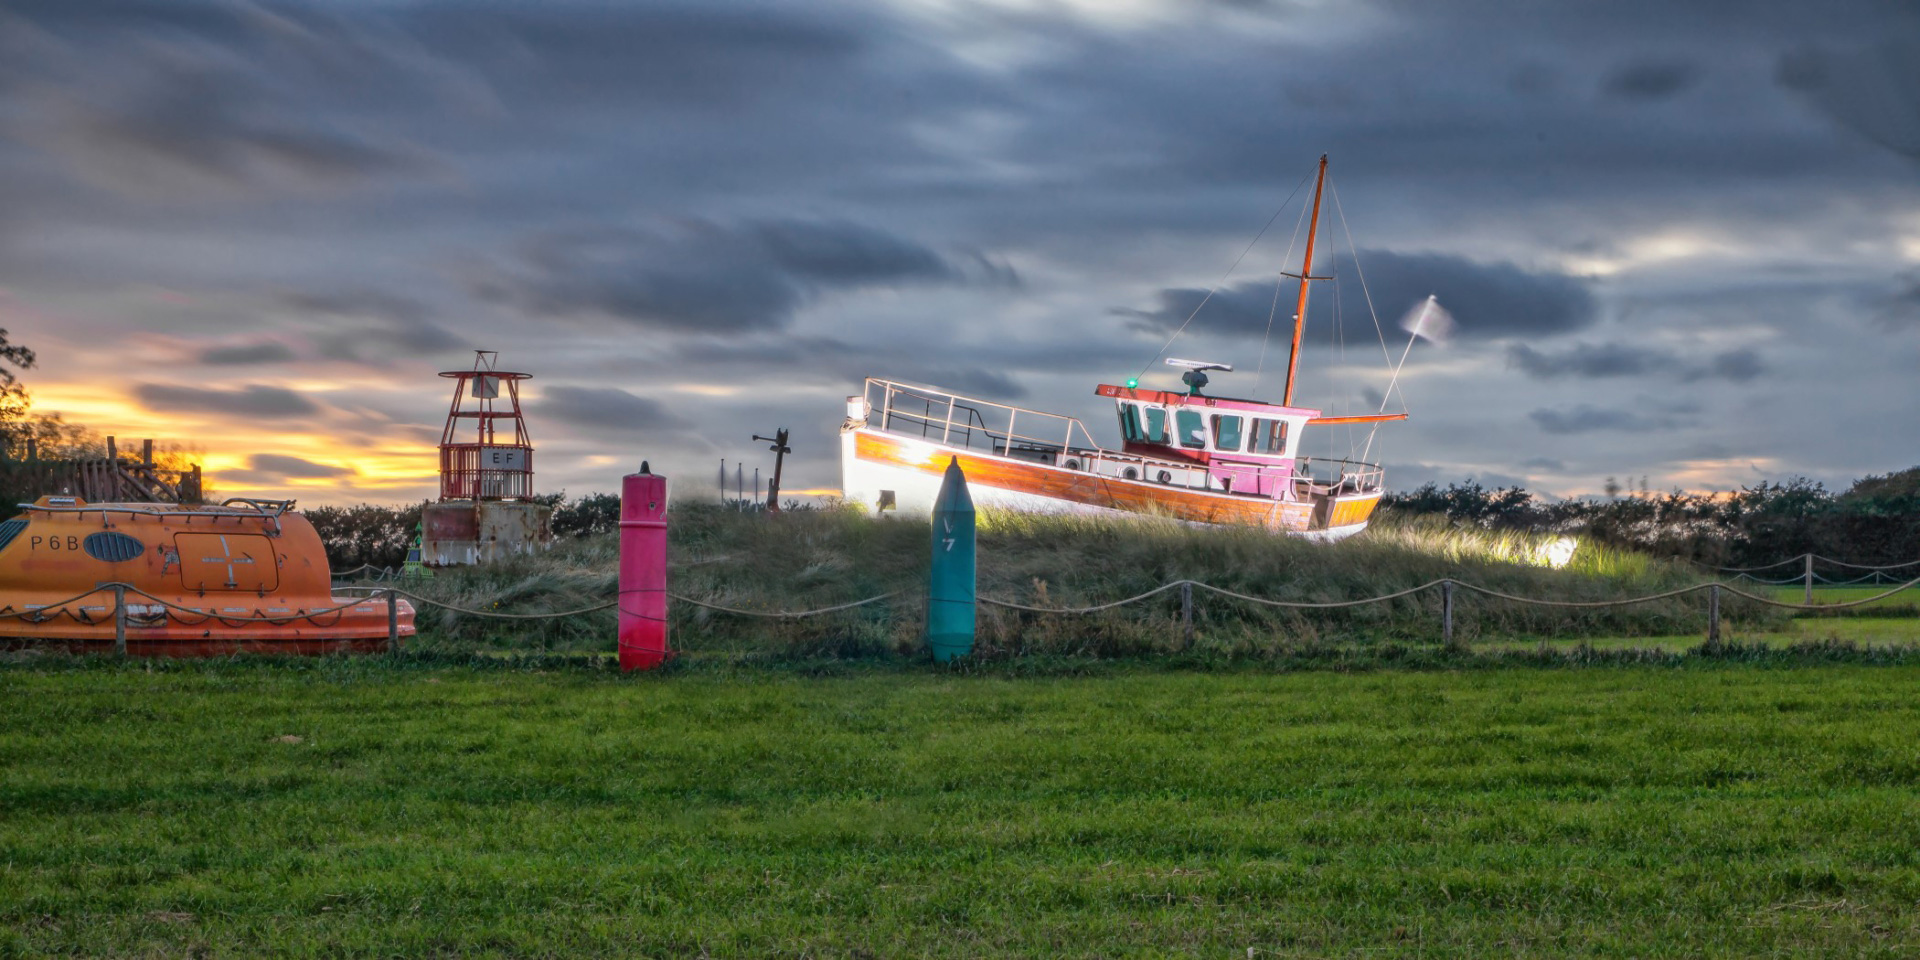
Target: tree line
(1875,521)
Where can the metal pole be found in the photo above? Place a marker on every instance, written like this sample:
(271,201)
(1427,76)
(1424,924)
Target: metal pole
(1809,578)
(1713,617)
(120,619)
(393,621)
(1186,615)
(1446,613)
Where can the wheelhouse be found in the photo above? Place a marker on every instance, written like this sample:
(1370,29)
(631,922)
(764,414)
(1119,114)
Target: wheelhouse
(1247,446)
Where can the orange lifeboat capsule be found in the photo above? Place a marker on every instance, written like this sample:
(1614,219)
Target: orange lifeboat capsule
(248,576)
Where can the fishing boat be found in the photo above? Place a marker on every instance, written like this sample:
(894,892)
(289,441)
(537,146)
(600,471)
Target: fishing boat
(1184,455)
(246,576)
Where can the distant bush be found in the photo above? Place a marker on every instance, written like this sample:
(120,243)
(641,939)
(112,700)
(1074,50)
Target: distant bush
(380,536)
(366,534)
(1876,521)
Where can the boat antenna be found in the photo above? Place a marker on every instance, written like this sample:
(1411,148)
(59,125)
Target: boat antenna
(1306,274)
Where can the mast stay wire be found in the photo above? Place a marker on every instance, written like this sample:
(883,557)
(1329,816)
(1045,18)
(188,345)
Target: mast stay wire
(1387,354)
(1273,309)
(1223,277)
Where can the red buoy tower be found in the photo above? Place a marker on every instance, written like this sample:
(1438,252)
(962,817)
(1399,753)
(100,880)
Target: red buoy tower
(486,509)
(486,467)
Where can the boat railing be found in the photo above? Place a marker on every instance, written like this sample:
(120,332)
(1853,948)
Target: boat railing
(956,420)
(1341,476)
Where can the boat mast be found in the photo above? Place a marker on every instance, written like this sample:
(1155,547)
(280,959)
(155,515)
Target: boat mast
(1306,271)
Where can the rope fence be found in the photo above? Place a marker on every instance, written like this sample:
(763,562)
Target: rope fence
(1807,577)
(123,615)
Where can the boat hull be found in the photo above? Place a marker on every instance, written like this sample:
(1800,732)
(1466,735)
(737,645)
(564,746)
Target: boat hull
(197,581)
(874,462)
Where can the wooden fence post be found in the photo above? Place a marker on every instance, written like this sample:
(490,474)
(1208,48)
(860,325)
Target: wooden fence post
(1713,617)
(1186,615)
(1809,599)
(1446,614)
(120,619)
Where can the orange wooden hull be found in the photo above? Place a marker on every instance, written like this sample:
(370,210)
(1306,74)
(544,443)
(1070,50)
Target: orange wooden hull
(1114,493)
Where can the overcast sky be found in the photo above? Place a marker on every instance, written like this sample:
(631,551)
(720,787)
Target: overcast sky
(1681,240)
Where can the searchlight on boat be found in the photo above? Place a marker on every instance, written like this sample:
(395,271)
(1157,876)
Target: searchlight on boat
(1196,375)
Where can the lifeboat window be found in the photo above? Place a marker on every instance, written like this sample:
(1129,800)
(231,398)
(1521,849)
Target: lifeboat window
(1130,422)
(1192,433)
(11,529)
(112,547)
(1269,436)
(1226,432)
(1156,425)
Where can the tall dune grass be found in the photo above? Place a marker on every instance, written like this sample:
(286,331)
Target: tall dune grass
(812,559)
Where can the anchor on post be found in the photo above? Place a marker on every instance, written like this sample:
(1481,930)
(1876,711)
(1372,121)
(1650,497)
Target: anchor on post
(780,451)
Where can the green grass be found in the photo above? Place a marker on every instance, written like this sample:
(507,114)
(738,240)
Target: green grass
(363,807)
(1903,603)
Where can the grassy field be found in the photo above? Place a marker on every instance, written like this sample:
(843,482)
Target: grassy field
(368,807)
(1905,602)
(819,558)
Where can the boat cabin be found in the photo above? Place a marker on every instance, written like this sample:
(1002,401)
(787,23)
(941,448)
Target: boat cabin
(1247,446)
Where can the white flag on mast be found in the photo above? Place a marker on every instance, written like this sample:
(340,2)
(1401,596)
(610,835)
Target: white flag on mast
(1429,321)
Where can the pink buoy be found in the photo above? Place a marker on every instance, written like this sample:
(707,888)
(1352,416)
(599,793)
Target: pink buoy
(643,570)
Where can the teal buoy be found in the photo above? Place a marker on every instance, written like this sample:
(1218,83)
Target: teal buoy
(950,586)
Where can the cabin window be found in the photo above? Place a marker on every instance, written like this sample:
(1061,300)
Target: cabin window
(1226,432)
(1269,436)
(112,547)
(1130,423)
(1156,425)
(1193,433)
(11,529)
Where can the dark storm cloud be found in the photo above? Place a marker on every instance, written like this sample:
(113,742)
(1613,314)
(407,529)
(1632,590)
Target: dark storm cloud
(1872,89)
(1650,79)
(253,400)
(710,55)
(285,467)
(605,409)
(1487,300)
(964,369)
(1738,366)
(241,354)
(177,101)
(196,125)
(1586,360)
(1588,419)
(1900,309)
(1603,360)
(702,277)
(368,327)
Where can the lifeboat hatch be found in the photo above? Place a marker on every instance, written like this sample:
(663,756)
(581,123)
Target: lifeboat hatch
(226,561)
